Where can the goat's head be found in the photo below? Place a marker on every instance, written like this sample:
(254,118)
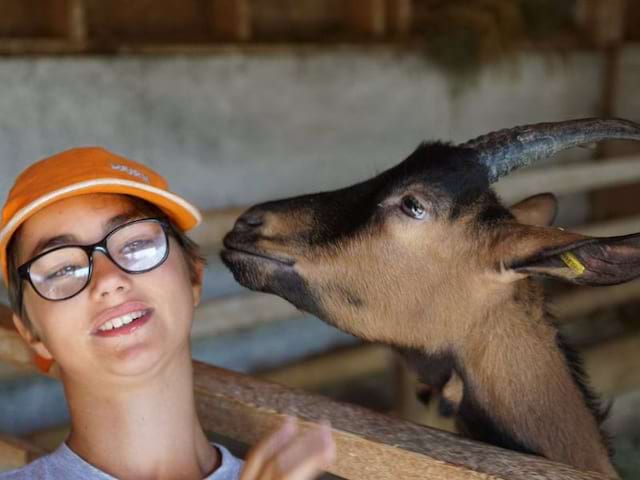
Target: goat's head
(396,257)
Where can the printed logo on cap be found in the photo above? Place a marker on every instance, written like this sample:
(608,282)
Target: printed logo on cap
(130,171)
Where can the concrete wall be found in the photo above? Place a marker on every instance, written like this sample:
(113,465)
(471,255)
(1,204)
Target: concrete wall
(231,130)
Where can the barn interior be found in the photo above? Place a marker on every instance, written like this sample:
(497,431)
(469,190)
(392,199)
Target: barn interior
(241,101)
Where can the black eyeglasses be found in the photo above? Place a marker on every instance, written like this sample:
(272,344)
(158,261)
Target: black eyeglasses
(63,272)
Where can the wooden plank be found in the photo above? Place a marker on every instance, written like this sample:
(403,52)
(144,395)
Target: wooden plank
(15,453)
(565,179)
(77,26)
(231,19)
(369,445)
(366,17)
(23,46)
(68,18)
(584,301)
(602,20)
(332,368)
(399,17)
(240,311)
(294,21)
(614,366)
(611,228)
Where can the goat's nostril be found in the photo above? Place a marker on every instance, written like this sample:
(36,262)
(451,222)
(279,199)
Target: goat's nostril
(250,220)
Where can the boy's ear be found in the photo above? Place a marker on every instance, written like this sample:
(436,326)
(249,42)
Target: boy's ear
(572,257)
(540,210)
(31,339)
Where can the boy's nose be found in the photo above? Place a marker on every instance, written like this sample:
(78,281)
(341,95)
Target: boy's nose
(107,278)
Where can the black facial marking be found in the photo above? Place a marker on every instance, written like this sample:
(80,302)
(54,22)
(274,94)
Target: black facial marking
(475,422)
(452,172)
(433,369)
(472,420)
(451,178)
(291,286)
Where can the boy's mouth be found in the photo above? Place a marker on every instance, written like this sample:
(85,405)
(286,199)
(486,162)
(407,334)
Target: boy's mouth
(124,324)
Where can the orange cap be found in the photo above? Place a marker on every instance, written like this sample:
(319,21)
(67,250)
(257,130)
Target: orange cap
(81,171)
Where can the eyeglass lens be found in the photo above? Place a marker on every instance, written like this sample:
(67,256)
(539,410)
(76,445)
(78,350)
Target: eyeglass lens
(135,248)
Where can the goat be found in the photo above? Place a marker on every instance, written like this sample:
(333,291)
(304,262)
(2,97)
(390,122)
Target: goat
(424,257)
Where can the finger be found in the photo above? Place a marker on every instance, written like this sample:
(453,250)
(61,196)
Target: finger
(303,458)
(266,448)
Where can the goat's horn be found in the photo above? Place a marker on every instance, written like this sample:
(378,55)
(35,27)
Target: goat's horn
(506,150)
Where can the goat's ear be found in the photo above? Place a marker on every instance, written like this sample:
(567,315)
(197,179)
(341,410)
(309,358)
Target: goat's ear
(579,259)
(538,210)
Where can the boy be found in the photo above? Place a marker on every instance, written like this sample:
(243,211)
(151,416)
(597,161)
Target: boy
(103,282)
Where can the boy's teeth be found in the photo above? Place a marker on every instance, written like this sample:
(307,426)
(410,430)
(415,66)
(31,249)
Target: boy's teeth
(120,321)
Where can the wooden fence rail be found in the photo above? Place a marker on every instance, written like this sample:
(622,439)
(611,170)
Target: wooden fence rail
(370,445)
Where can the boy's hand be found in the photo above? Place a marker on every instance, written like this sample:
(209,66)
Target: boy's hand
(288,454)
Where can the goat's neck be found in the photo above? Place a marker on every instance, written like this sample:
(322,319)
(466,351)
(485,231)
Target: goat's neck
(516,375)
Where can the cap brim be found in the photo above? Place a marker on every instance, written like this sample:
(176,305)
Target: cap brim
(185,215)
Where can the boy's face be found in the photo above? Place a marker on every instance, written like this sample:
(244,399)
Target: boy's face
(68,330)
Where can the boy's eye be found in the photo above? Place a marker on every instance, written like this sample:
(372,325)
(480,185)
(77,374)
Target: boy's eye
(136,245)
(64,272)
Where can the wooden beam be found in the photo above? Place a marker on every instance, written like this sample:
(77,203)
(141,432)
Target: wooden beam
(584,301)
(614,366)
(68,19)
(16,453)
(399,17)
(333,367)
(603,20)
(231,19)
(565,179)
(22,46)
(366,17)
(77,22)
(369,445)
(611,228)
(240,311)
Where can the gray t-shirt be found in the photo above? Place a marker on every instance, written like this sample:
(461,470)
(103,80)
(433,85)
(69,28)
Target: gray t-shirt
(65,464)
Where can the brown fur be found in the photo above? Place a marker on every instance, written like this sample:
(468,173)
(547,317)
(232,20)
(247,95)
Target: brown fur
(440,287)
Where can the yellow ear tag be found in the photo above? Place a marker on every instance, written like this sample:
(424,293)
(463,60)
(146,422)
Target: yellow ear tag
(571,261)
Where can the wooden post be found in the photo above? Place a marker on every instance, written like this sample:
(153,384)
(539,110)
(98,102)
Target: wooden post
(603,21)
(69,20)
(367,18)
(399,17)
(231,19)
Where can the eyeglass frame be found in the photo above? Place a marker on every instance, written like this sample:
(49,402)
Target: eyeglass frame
(89,250)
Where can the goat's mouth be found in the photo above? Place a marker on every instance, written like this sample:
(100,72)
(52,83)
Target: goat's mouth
(233,251)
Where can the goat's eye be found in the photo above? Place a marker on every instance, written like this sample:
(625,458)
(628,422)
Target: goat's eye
(412,207)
